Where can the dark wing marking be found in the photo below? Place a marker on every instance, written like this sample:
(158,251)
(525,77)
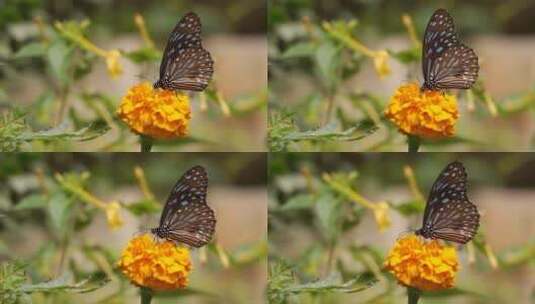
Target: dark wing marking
(190,69)
(439,35)
(190,188)
(186,34)
(450,185)
(458,68)
(457,221)
(185,65)
(193,224)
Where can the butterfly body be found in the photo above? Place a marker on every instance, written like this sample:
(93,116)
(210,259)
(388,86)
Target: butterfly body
(185,65)
(449,215)
(446,63)
(186,217)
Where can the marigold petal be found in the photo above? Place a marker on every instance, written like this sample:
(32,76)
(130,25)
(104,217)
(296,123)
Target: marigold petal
(429,114)
(160,266)
(155,112)
(423,265)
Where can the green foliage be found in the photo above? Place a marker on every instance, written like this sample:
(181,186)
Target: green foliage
(62,111)
(283,133)
(55,206)
(321,58)
(15,290)
(323,241)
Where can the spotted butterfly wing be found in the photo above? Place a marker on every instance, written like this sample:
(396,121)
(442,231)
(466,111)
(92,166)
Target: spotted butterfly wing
(186,217)
(446,63)
(185,65)
(449,215)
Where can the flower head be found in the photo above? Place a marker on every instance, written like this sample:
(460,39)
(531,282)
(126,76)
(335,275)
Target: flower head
(428,114)
(423,265)
(159,266)
(155,112)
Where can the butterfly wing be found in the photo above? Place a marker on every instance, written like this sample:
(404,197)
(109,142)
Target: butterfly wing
(186,216)
(456,221)
(190,69)
(457,68)
(193,224)
(185,65)
(446,63)
(191,187)
(449,215)
(439,36)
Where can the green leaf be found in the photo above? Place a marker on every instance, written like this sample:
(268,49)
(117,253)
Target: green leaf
(328,212)
(62,284)
(58,209)
(34,49)
(332,283)
(410,208)
(12,277)
(143,207)
(58,57)
(298,202)
(33,201)
(94,130)
(302,49)
(328,61)
(407,56)
(331,132)
(280,276)
(144,55)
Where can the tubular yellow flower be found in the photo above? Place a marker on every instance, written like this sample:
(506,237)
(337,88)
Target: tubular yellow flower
(380,213)
(154,112)
(113,215)
(427,114)
(380,61)
(342,32)
(159,266)
(112,61)
(73,31)
(423,265)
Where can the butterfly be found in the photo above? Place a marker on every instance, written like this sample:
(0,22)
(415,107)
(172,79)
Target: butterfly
(186,217)
(185,65)
(449,215)
(446,62)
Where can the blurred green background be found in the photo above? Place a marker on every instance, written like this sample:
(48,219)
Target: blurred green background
(327,248)
(56,235)
(325,96)
(57,96)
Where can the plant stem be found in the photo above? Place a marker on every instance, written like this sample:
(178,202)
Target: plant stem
(414,295)
(146,295)
(414,143)
(330,259)
(146,143)
(330,106)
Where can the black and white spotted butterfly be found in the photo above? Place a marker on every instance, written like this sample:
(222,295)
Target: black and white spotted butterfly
(446,63)
(186,65)
(186,217)
(449,215)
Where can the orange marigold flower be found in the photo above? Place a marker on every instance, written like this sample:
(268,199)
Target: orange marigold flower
(155,113)
(423,265)
(159,266)
(430,114)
